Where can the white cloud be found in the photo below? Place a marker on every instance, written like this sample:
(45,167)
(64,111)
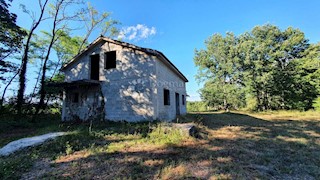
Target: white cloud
(137,32)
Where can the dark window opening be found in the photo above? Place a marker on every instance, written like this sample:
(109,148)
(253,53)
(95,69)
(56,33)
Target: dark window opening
(177,104)
(183,100)
(166,97)
(94,74)
(75,98)
(110,60)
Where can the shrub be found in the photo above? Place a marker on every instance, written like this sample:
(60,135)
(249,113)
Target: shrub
(196,106)
(316,104)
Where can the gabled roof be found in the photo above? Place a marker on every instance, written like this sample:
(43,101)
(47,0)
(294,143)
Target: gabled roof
(153,52)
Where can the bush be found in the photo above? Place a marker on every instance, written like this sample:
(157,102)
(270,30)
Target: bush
(196,106)
(316,104)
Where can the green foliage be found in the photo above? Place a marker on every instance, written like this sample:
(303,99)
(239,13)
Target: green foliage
(106,137)
(251,103)
(275,69)
(219,65)
(197,106)
(69,149)
(150,150)
(58,78)
(222,97)
(93,19)
(67,46)
(163,134)
(316,104)
(11,37)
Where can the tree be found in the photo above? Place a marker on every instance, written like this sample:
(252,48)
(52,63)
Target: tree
(11,38)
(58,14)
(197,106)
(307,78)
(11,35)
(59,23)
(93,19)
(37,53)
(219,65)
(275,69)
(267,54)
(66,48)
(23,69)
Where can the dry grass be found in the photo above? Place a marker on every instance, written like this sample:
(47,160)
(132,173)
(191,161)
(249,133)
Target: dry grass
(232,146)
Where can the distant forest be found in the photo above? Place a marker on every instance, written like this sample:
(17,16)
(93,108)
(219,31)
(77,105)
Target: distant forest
(264,69)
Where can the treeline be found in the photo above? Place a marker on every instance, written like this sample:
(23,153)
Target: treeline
(46,50)
(197,106)
(264,69)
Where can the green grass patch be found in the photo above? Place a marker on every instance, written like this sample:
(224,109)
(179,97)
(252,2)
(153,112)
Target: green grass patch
(234,145)
(104,137)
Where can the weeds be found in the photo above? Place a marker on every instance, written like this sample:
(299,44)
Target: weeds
(235,146)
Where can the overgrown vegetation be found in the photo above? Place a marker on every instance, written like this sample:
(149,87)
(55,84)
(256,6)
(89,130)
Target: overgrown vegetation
(197,106)
(264,69)
(103,137)
(274,145)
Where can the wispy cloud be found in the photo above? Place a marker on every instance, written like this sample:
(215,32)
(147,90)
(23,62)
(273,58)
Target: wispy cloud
(137,32)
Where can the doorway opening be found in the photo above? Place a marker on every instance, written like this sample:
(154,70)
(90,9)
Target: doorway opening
(177,104)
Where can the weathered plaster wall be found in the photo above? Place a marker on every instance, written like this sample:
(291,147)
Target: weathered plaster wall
(166,79)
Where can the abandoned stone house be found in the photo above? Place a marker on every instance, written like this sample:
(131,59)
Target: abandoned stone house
(114,80)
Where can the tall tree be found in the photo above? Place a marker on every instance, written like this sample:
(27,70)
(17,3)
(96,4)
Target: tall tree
(255,53)
(306,79)
(37,53)
(24,62)
(277,69)
(58,13)
(11,35)
(66,48)
(11,38)
(93,19)
(266,53)
(219,65)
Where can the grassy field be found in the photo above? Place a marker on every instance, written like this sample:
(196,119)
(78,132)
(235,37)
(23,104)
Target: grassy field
(236,145)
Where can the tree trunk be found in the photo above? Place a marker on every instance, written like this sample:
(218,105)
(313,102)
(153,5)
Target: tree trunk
(36,84)
(43,78)
(44,67)
(5,89)
(22,75)
(23,71)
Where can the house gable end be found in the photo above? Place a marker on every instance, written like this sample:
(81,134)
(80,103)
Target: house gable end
(148,51)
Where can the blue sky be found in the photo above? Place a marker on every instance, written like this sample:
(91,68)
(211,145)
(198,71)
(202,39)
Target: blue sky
(178,27)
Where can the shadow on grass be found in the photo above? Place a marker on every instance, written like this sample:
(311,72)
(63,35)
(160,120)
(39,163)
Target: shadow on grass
(13,166)
(235,146)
